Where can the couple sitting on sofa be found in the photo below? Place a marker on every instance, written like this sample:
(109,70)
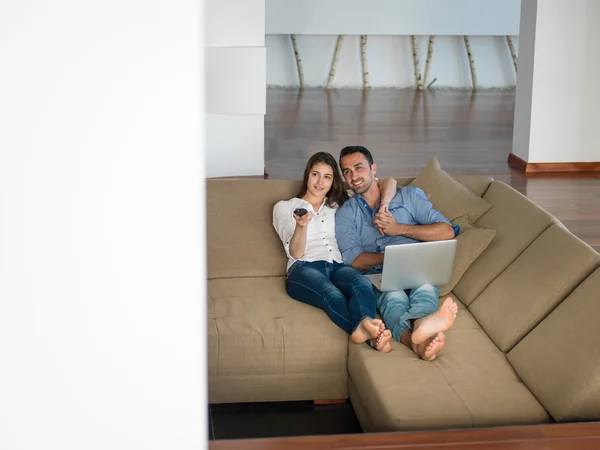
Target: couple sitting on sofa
(325,272)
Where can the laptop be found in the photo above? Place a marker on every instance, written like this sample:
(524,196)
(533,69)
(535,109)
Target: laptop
(407,266)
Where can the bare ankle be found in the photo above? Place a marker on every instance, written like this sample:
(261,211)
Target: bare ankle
(405,338)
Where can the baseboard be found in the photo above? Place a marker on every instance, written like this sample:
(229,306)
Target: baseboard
(242,177)
(523,166)
(517,163)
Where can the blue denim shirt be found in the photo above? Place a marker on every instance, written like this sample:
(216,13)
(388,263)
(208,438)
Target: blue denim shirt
(355,232)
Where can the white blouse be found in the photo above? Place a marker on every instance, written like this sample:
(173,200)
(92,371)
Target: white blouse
(320,235)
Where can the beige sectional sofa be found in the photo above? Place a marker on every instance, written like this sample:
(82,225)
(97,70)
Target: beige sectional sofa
(525,348)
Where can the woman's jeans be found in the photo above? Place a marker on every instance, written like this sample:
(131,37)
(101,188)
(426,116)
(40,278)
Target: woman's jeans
(398,308)
(345,294)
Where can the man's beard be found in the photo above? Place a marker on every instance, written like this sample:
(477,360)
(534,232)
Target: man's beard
(364,187)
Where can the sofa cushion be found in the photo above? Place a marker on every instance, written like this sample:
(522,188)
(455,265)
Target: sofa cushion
(241,241)
(259,334)
(471,242)
(470,384)
(448,196)
(477,184)
(532,286)
(518,222)
(559,360)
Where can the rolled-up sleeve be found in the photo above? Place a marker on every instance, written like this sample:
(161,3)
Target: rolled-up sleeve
(423,211)
(284,224)
(347,234)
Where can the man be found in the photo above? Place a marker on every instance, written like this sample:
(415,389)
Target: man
(364,228)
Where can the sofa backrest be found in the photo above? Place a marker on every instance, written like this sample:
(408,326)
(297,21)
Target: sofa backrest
(241,240)
(518,222)
(559,359)
(477,184)
(536,293)
(540,278)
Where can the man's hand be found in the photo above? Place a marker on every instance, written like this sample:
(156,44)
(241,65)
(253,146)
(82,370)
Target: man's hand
(386,223)
(383,209)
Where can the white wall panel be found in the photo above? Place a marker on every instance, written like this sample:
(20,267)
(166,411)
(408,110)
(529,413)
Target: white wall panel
(393,17)
(557,110)
(235,80)
(524,91)
(102,280)
(234,145)
(556,113)
(591,120)
(235,23)
(390,61)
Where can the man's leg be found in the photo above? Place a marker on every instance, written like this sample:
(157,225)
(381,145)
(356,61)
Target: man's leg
(393,307)
(423,301)
(429,322)
(422,317)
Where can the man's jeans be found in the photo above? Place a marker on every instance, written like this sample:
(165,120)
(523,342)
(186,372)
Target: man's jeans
(397,308)
(344,293)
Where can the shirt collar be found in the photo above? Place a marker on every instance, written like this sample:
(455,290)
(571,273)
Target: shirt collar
(306,202)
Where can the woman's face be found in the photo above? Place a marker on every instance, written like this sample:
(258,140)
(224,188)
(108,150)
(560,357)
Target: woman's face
(320,179)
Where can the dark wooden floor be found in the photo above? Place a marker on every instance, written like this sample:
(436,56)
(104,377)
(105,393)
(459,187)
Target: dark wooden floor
(469,133)
(540,437)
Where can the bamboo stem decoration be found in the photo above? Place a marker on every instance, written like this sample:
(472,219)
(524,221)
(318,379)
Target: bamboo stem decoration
(363,58)
(513,53)
(415,48)
(336,56)
(428,61)
(471,62)
(298,62)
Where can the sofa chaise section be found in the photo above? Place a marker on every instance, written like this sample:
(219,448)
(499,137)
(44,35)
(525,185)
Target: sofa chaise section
(263,345)
(471,384)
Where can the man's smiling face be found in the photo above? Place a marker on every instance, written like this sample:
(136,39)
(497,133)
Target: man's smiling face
(357,172)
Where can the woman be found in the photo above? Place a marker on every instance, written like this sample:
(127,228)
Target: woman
(316,273)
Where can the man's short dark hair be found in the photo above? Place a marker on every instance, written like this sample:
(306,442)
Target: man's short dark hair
(350,150)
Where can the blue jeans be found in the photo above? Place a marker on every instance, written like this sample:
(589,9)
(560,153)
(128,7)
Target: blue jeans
(345,294)
(398,308)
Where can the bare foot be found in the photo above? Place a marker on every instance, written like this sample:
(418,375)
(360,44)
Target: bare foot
(367,329)
(428,350)
(439,321)
(382,342)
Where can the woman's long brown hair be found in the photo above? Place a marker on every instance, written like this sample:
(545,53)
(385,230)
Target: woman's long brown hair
(337,195)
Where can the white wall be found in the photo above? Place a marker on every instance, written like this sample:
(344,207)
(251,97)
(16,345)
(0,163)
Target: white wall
(591,116)
(102,298)
(399,17)
(235,87)
(390,61)
(558,87)
(561,116)
(524,91)
(389,25)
